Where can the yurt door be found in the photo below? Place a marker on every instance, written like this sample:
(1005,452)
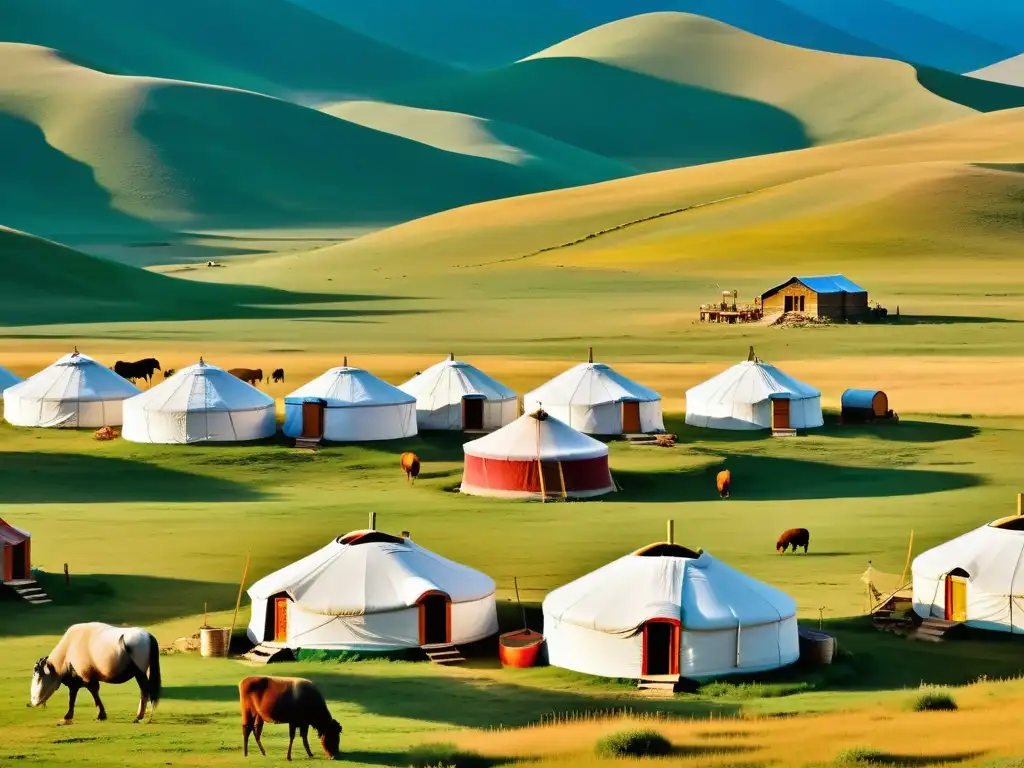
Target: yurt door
(780,414)
(956,598)
(280,619)
(473,412)
(435,619)
(313,418)
(631,417)
(19,561)
(661,648)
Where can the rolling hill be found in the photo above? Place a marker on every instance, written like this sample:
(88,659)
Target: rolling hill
(666,90)
(270,46)
(120,155)
(1010,72)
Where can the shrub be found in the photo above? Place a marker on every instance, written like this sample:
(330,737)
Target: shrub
(934,701)
(444,756)
(861,756)
(633,744)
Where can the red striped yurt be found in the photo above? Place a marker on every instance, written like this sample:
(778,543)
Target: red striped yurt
(537,456)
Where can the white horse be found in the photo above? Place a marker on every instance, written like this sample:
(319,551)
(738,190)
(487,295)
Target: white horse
(94,653)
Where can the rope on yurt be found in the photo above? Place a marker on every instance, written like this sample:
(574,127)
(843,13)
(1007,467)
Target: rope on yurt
(561,477)
(540,467)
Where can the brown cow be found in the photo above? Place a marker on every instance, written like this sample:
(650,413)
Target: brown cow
(724,482)
(411,466)
(248,375)
(289,700)
(795,537)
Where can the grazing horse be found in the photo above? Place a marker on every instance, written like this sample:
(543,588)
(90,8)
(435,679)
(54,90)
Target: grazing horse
(278,375)
(411,466)
(140,369)
(289,700)
(724,483)
(795,537)
(248,375)
(94,653)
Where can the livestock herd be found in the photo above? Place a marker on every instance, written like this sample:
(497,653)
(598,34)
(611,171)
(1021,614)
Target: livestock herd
(145,370)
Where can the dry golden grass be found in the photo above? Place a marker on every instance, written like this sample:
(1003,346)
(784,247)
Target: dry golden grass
(977,386)
(986,726)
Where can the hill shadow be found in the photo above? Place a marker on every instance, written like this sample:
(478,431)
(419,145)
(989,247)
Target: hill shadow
(644,121)
(469,703)
(902,431)
(945,319)
(765,478)
(74,478)
(111,598)
(982,95)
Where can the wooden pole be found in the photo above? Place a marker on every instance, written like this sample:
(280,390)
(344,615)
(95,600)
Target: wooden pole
(1020,504)
(906,567)
(590,356)
(671,531)
(373,521)
(561,478)
(206,622)
(540,468)
(238,602)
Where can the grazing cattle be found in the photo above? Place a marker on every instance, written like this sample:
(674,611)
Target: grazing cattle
(249,375)
(411,466)
(724,482)
(290,700)
(169,372)
(140,369)
(795,537)
(94,653)
(278,375)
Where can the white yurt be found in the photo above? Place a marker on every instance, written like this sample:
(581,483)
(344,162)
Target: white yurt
(7,379)
(200,404)
(535,457)
(456,395)
(753,395)
(596,399)
(976,579)
(667,610)
(370,591)
(349,405)
(75,391)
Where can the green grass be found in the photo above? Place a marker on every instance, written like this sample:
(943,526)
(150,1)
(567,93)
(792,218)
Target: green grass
(634,744)
(445,756)
(934,701)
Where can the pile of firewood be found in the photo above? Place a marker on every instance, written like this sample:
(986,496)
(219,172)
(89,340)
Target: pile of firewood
(105,433)
(665,440)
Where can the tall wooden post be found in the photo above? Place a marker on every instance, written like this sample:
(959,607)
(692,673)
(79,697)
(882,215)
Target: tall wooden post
(238,602)
(373,521)
(671,531)
(1020,503)
(590,356)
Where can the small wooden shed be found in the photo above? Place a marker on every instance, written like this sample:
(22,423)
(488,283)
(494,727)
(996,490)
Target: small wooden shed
(15,553)
(865,405)
(832,296)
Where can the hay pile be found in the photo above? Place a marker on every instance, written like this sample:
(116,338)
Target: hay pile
(188,644)
(105,433)
(798,320)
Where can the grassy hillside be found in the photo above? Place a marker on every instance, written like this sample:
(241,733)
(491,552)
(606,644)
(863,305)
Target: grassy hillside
(118,150)
(664,90)
(271,46)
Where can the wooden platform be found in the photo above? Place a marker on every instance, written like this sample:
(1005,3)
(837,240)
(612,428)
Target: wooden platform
(933,630)
(663,439)
(443,653)
(266,654)
(783,433)
(29,591)
(307,443)
(667,684)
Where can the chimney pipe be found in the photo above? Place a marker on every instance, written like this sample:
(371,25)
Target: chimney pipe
(751,357)
(590,357)
(373,521)
(671,531)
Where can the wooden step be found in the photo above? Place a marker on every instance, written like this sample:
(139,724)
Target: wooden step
(783,433)
(307,443)
(933,630)
(664,683)
(266,654)
(29,591)
(443,653)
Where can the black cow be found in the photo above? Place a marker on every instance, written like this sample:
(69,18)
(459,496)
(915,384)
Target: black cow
(278,375)
(140,369)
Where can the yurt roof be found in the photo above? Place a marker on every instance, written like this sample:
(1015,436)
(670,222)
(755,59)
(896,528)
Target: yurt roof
(74,377)
(992,551)
(367,572)
(7,379)
(667,581)
(590,384)
(751,381)
(11,535)
(536,435)
(348,387)
(450,380)
(202,387)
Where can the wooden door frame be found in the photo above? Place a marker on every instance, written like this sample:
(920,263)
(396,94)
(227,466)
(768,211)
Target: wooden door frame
(280,600)
(8,564)
(677,630)
(789,412)
(951,579)
(423,614)
(483,408)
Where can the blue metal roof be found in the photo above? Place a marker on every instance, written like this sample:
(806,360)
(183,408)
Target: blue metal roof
(831,284)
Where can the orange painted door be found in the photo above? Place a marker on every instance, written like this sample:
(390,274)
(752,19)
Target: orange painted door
(780,414)
(313,420)
(631,417)
(280,619)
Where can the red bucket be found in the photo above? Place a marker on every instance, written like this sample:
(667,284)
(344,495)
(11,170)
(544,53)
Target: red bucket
(520,648)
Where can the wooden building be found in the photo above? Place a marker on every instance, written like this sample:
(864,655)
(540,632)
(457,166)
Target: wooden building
(832,296)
